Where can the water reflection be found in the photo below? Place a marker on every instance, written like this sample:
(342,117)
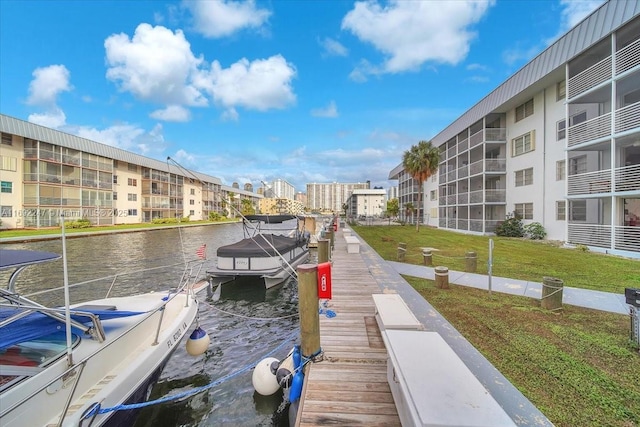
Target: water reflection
(246,322)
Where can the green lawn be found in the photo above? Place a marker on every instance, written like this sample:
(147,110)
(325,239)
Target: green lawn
(514,258)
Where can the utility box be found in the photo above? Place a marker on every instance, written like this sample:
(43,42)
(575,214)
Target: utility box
(632,297)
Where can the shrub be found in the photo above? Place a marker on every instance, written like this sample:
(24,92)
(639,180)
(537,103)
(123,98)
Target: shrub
(582,248)
(511,227)
(535,231)
(165,221)
(79,223)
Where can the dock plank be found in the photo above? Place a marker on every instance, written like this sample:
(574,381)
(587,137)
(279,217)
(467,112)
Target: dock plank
(349,386)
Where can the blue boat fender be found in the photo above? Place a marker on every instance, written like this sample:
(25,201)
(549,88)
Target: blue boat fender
(296,386)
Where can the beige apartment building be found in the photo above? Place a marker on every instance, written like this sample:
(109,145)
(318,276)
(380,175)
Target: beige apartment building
(45,173)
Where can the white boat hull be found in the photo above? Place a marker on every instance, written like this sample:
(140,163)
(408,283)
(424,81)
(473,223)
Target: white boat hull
(97,376)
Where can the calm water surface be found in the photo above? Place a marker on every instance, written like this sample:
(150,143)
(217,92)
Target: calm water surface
(246,323)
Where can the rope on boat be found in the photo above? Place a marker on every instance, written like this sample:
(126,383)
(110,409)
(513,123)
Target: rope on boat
(96,409)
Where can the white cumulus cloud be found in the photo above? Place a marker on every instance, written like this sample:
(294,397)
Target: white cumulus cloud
(55,118)
(333,47)
(172,113)
(222,18)
(47,84)
(261,84)
(410,33)
(155,64)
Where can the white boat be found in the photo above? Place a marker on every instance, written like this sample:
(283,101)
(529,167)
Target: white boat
(71,365)
(272,247)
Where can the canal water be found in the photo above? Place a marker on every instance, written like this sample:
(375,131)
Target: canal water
(245,324)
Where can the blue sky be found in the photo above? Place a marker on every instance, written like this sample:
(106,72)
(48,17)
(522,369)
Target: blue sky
(250,91)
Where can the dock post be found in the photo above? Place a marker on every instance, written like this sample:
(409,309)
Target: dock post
(442,277)
(551,293)
(323,251)
(308,308)
(427,257)
(471,262)
(402,251)
(329,234)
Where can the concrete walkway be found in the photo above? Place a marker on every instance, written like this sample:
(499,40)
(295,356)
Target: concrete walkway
(597,300)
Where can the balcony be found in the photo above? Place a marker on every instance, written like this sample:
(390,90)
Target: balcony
(628,178)
(463,172)
(589,78)
(624,238)
(495,196)
(463,198)
(589,183)
(463,145)
(628,117)
(495,165)
(628,57)
(590,130)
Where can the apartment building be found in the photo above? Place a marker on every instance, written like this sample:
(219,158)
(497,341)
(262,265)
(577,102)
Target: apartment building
(557,143)
(282,189)
(366,203)
(44,172)
(331,197)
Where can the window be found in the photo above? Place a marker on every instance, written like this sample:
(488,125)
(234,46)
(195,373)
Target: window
(193,191)
(115,179)
(5,211)
(132,197)
(578,210)
(578,165)
(8,163)
(132,167)
(132,212)
(524,177)
(561,130)
(192,213)
(560,170)
(561,210)
(524,110)
(578,118)
(6,139)
(132,182)
(561,90)
(6,187)
(433,195)
(115,196)
(522,144)
(192,202)
(524,210)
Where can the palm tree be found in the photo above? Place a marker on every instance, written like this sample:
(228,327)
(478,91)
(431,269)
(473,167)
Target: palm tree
(421,161)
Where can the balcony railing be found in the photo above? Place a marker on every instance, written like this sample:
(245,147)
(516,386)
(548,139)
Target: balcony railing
(476,196)
(626,238)
(628,57)
(495,196)
(442,223)
(476,225)
(463,145)
(451,152)
(591,77)
(463,224)
(495,165)
(463,172)
(628,178)
(495,134)
(590,235)
(590,130)
(628,117)
(463,198)
(476,167)
(589,183)
(451,176)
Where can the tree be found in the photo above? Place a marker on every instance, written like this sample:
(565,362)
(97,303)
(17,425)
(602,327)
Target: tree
(421,161)
(393,208)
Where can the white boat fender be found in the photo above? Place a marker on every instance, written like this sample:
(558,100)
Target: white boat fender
(198,342)
(264,376)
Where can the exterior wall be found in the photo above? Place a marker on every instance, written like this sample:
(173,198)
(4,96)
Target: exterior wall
(367,203)
(12,170)
(330,197)
(127,211)
(282,189)
(193,192)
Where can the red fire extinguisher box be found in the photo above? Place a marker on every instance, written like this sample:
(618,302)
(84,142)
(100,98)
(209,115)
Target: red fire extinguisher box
(324,280)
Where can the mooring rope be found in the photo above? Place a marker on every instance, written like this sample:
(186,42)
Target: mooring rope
(188,393)
(250,317)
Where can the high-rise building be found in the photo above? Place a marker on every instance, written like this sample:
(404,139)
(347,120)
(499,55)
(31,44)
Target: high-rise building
(331,197)
(282,189)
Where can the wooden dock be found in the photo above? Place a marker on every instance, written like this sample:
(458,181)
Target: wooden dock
(349,386)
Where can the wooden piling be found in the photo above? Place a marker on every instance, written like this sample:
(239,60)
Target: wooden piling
(427,257)
(308,308)
(471,262)
(551,293)
(323,251)
(442,277)
(401,253)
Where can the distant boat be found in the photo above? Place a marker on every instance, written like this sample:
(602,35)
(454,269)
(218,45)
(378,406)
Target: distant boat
(272,247)
(59,366)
